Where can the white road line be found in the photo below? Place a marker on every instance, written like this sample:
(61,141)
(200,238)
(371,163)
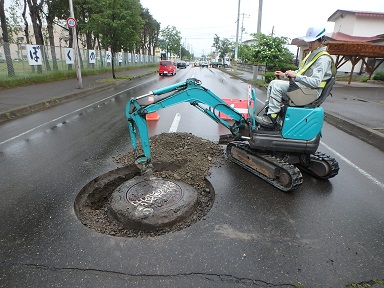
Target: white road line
(175,123)
(65,115)
(370,177)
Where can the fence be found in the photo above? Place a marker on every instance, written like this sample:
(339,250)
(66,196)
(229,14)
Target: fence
(245,67)
(28,60)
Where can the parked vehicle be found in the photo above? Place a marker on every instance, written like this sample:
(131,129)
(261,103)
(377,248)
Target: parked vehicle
(181,64)
(218,62)
(167,67)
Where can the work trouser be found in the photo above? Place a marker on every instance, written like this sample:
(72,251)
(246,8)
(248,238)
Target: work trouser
(277,89)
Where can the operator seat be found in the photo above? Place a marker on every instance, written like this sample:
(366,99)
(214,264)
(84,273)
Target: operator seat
(324,94)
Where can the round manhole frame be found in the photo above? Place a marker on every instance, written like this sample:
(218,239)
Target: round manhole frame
(90,203)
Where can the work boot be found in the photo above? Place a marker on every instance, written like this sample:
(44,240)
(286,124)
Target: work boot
(267,120)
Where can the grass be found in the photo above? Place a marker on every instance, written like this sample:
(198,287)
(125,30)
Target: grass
(355,78)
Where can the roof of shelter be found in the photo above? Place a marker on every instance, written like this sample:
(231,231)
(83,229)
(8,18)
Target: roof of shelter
(340,13)
(342,37)
(338,36)
(363,49)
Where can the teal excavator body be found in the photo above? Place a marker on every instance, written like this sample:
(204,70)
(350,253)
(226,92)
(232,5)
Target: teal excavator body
(273,155)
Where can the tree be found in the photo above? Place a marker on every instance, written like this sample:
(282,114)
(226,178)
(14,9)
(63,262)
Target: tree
(153,35)
(53,8)
(185,54)
(118,24)
(7,51)
(270,50)
(223,46)
(170,40)
(35,8)
(149,33)
(246,54)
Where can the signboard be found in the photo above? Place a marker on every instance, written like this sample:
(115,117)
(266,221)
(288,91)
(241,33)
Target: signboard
(34,55)
(69,55)
(91,56)
(120,57)
(108,56)
(71,22)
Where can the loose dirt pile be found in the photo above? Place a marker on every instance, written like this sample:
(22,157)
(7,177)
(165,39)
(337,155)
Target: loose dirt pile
(175,156)
(190,156)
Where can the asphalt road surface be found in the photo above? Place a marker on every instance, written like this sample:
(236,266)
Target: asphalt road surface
(324,234)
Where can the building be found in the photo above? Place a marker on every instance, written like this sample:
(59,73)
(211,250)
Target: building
(353,27)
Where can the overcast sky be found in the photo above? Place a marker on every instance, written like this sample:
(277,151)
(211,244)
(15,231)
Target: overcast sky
(199,20)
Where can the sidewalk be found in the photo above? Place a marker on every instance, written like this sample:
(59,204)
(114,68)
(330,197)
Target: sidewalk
(356,108)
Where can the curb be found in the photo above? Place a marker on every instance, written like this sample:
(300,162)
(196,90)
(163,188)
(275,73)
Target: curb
(357,130)
(39,106)
(17,112)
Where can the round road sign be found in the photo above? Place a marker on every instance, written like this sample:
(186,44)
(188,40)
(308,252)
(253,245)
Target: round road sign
(71,22)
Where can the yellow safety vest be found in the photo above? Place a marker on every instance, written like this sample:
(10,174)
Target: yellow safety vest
(305,67)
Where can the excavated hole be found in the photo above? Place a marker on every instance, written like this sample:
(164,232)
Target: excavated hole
(176,156)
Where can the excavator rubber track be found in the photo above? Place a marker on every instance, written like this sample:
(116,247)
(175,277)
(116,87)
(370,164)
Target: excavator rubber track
(273,170)
(321,166)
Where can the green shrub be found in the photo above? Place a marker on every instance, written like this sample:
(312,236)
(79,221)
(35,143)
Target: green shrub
(287,66)
(269,76)
(379,76)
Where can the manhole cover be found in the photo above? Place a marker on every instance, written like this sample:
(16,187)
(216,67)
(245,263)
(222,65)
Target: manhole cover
(149,204)
(122,203)
(153,194)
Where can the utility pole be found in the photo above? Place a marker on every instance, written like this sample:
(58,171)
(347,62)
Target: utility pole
(75,47)
(237,32)
(242,29)
(259,16)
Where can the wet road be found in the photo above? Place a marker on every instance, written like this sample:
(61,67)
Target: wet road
(325,234)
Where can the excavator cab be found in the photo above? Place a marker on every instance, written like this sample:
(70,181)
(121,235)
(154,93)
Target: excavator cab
(298,128)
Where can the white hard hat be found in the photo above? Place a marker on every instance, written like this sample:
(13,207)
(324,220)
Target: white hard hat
(314,33)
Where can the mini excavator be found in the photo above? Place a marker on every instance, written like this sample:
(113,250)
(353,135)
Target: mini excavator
(276,155)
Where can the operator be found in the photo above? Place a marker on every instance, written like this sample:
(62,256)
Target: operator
(310,78)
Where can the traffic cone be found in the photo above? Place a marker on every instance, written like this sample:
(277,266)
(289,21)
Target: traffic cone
(152,116)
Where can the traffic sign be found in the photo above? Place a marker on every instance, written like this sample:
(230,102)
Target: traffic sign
(71,22)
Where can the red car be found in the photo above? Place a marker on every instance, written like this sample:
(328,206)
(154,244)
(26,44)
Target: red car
(167,67)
